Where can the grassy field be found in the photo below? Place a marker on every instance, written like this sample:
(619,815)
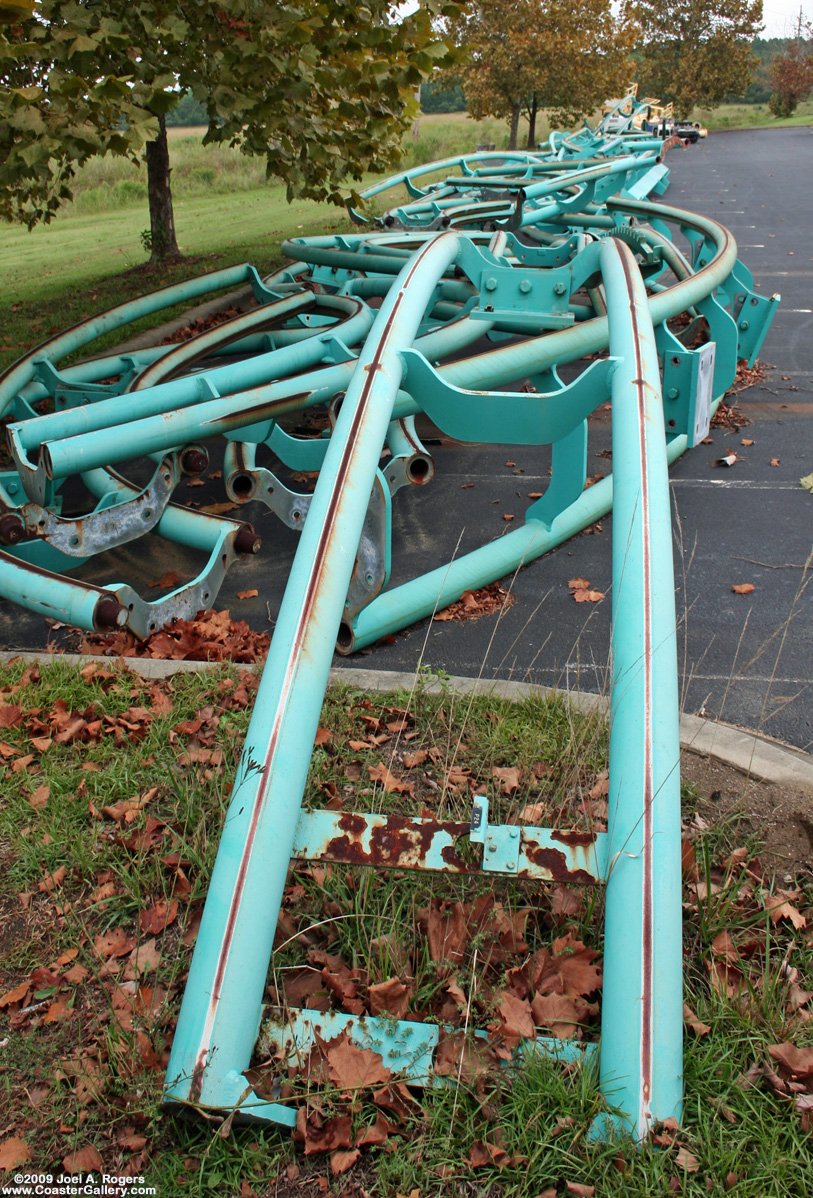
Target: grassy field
(111,801)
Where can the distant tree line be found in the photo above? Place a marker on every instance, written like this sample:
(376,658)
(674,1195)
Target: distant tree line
(701,64)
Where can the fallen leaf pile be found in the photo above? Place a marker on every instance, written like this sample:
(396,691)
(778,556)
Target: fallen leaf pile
(735,962)
(513,994)
(473,605)
(199,325)
(789,1074)
(211,636)
(729,417)
(746,377)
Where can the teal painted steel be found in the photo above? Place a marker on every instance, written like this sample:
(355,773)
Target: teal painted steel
(534,234)
(642,1009)
(222,1003)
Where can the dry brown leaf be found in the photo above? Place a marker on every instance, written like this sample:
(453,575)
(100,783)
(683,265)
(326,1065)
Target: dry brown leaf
(51,881)
(252,593)
(219,509)
(15,995)
(508,517)
(143,959)
(86,1160)
(797,1061)
(483,1153)
(322,736)
(686,1160)
(158,917)
(128,809)
(57,1012)
(115,943)
(533,813)
(14,1152)
(747,441)
(170,579)
(464,1056)
(508,778)
(39,799)
(697,1025)
(343,1160)
(76,974)
(10,715)
(391,996)
(583,1191)
(353,1068)
(391,784)
(416,758)
(517,1020)
(743,588)
(778,907)
(448,931)
(562,1014)
(774,461)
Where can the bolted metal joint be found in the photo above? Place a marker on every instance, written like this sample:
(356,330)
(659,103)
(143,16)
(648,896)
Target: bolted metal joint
(12,529)
(247,540)
(194,460)
(109,615)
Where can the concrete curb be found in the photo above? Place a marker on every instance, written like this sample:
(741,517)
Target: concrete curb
(753,755)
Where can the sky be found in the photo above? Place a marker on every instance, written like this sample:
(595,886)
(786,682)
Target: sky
(780,16)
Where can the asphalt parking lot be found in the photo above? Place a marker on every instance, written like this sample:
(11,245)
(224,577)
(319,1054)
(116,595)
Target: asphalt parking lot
(743,658)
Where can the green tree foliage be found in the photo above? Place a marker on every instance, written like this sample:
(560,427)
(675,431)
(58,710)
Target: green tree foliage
(697,51)
(57,109)
(791,74)
(564,55)
(189,111)
(442,96)
(322,89)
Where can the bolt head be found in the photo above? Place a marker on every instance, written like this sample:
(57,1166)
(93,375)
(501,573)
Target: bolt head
(525,286)
(559,288)
(491,284)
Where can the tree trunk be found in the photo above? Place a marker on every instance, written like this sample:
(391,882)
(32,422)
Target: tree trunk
(515,110)
(162,221)
(532,123)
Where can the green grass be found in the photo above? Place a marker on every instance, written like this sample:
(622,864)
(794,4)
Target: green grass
(93,1076)
(751,116)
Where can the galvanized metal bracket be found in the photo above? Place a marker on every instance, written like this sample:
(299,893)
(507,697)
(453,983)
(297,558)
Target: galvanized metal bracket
(185,601)
(371,569)
(112,523)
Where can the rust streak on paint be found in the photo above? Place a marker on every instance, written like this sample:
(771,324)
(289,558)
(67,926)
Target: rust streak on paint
(315,583)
